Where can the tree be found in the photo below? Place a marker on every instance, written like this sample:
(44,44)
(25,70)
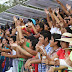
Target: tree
(3,7)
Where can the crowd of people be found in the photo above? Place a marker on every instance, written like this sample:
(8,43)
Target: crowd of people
(38,45)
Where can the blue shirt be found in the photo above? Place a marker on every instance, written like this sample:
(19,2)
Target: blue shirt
(48,49)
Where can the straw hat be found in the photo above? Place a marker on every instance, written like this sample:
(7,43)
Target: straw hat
(67,34)
(65,39)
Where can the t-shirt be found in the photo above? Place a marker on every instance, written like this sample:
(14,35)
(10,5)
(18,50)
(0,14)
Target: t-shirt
(48,49)
(13,52)
(55,30)
(58,31)
(32,31)
(61,53)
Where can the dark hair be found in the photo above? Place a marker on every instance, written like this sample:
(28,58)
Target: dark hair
(7,26)
(34,42)
(13,25)
(41,25)
(2,27)
(37,19)
(6,40)
(30,20)
(14,38)
(46,33)
(30,37)
(68,29)
(57,36)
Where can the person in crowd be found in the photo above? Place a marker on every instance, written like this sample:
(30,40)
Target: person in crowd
(44,42)
(40,43)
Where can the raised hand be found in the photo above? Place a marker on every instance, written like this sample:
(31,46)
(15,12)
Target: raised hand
(57,10)
(53,11)
(50,10)
(14,18)
(68,6)
(58,1)
(46,11)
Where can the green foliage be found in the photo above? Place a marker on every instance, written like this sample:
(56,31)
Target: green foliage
(3,8)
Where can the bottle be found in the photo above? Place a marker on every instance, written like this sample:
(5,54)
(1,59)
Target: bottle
(43,63)
(56,65)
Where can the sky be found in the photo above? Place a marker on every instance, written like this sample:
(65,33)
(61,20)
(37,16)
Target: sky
(2,1)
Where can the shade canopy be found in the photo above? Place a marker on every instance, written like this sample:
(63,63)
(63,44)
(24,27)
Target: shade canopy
(28,10)
(47,3)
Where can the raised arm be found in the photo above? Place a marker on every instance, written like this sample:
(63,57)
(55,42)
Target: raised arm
(57,11)
(69,8)
(57,20)
(19,29)
(15,20)
(53,19)
(48,18)
(63,7)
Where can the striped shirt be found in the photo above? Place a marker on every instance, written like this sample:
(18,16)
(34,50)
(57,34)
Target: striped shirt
(43,67)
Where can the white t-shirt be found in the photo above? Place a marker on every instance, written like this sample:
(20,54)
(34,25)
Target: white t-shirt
(15,62)
(58,31)
(55,30)
(14,52)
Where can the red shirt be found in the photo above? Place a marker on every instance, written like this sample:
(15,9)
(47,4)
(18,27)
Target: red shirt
(61,53)
(32,31)
(35,66)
